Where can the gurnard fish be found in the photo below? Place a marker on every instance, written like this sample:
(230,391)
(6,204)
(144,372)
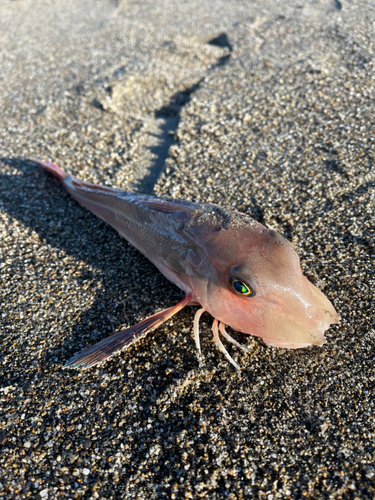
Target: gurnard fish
(243,274)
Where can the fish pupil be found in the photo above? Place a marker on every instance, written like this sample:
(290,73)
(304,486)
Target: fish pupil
(240,287)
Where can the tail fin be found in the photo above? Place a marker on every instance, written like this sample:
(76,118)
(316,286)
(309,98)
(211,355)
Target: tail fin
(53,169)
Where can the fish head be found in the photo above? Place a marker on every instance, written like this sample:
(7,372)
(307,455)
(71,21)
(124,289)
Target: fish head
(255,285)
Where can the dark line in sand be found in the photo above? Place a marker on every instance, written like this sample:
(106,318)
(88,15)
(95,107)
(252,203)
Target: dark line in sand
(171,114)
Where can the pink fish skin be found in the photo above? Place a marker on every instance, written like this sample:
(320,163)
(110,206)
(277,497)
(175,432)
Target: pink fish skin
(243,274)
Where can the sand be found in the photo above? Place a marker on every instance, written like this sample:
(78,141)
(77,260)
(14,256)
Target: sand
(263,107)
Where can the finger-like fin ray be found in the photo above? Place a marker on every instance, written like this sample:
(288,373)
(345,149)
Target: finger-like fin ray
(225,334)
(116,342)
(197,317)
(218,342)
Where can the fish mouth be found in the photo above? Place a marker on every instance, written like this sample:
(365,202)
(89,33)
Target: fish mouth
(287,333)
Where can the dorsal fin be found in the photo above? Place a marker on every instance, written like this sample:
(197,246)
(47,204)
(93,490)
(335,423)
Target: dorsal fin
(167,206)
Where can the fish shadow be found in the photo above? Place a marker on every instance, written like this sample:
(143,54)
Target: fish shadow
(40,202)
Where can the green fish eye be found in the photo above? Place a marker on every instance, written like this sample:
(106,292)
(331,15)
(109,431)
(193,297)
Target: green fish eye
(241,287)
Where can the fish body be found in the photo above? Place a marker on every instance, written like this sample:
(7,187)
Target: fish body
(243,274)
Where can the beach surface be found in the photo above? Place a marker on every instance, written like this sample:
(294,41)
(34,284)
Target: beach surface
(263,107)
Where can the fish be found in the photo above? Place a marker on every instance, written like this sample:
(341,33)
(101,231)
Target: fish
(243,274)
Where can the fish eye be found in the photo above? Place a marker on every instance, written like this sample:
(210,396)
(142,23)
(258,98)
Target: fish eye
(241,287)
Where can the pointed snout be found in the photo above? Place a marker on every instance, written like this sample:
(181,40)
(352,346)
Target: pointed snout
(302,319)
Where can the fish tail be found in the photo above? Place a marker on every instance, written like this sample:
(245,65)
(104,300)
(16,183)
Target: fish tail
(53,169)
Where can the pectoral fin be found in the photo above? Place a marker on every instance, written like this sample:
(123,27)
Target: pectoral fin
(104,349)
